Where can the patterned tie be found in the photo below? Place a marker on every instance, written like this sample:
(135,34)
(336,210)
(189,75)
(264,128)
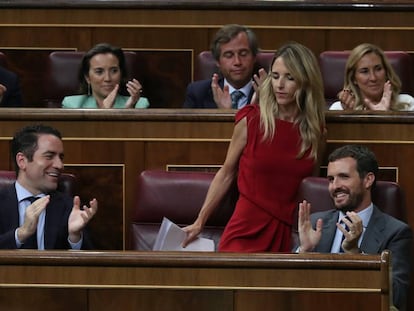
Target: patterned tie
(235,97)
(31,242)
(341,250)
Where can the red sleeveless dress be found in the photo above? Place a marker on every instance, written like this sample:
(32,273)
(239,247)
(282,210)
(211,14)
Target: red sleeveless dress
(268,178)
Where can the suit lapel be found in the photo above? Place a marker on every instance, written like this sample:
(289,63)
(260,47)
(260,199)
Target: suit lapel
(328,232)
(249,99)
(221,82)
(373,236)
(9,212)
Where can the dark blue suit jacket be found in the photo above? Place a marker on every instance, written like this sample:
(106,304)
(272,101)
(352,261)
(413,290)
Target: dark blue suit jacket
(200,95)
(12,97)
(56,222)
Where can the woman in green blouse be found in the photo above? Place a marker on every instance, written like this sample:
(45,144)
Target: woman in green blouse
(101,75)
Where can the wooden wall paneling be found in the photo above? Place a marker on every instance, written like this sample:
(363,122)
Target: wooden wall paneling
(31,67)
(152,36)
(273,37)
(93,150)
(135,161)
(206,17)
(160,300)
(250,300)
(177,300)
(38,299)
(100,125)
(217,281)
(194,152)
(199,38)
(164,76)
(5,161)
(388,38)
(44,36)
(106,183)
(117,197)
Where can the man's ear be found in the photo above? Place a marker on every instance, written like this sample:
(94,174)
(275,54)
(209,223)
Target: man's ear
(21,160)
(369,180)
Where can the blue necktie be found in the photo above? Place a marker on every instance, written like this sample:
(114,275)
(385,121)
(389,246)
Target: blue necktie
(31,242)
(235,97)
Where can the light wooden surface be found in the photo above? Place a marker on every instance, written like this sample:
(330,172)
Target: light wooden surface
(152,281)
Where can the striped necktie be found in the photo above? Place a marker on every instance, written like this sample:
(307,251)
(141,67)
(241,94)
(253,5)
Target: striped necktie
(235,97)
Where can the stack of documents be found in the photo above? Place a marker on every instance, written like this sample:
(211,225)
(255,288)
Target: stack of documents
(170,238)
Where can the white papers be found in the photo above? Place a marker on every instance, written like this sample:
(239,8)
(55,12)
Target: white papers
(170,237)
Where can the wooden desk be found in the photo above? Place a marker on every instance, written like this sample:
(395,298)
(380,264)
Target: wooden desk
(56,280)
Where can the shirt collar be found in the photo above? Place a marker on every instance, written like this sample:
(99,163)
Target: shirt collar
(245,89)
(23,193)
(365,215)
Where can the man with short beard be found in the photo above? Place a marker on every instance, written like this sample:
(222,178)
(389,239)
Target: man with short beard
(357,225)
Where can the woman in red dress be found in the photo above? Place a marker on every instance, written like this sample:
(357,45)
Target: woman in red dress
(275,144)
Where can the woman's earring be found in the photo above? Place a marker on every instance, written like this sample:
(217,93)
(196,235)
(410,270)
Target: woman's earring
(89,89)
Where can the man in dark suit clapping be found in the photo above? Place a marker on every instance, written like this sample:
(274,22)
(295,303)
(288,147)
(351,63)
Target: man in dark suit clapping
(32,213)
(234,48)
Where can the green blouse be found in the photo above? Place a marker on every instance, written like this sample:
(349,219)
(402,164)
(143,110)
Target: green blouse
(85,101)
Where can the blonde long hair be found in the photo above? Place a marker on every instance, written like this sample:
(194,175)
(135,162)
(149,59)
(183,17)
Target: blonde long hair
(350,69)
(303,66)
